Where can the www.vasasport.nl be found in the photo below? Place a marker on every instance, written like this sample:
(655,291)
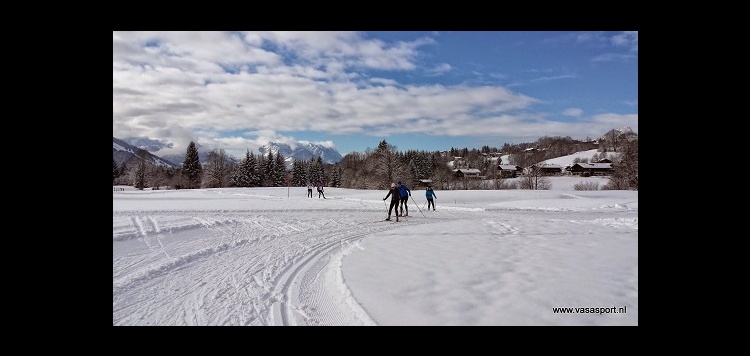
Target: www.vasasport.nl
(597,310)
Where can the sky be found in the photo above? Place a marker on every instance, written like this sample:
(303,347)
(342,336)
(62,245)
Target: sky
(273,256)
(237,91)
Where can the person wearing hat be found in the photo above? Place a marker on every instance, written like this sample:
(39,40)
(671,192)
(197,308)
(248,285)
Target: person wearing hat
(395,198)
(405,193)
(429,194)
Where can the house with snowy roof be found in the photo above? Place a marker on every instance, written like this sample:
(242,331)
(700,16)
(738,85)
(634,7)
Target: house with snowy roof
(509,170)
(549,169)
(467,173)
(592,169)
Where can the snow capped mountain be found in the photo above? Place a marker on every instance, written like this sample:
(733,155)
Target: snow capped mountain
(147,144)
(302,152)
(626,132)
(123,151)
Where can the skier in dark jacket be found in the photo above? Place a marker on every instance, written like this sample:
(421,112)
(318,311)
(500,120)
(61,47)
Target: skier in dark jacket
(405,193)
(320,190)
(429,194)
(395,198)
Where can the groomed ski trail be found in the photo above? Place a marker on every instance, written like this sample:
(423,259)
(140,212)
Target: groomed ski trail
(267,267)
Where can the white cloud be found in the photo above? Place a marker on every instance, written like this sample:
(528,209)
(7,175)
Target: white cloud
(558,77)
(439,69)
(626,39)
(173,86)
(614,57)
(575,112)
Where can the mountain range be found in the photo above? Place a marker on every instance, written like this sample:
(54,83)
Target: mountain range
(303,152)
(123,152)
(125,149)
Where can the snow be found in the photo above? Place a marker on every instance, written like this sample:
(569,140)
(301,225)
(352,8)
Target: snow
(272,256)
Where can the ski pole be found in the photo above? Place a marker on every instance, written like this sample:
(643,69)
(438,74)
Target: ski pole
(415,203)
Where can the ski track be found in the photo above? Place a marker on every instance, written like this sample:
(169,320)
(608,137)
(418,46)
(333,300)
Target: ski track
(249,263)
(257,267)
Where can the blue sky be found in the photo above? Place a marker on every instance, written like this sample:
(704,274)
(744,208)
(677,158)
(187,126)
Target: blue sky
(417,90)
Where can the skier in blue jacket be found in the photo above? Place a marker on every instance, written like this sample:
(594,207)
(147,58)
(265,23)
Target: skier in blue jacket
(429,194)
(405,193)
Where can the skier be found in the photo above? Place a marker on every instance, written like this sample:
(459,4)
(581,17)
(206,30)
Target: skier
(320,190)
(395,198)
(429,193)
(405,193)
(309,190)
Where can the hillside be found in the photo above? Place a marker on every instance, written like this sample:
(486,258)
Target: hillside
(125,152)
(568,160)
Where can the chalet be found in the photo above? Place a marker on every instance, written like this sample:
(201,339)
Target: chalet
(592,169)
(508,170)
(549,169)
(422,182)
(467,173)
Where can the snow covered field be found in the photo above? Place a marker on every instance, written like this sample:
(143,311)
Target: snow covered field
(272,256)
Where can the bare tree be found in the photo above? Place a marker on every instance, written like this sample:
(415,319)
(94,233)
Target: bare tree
(442,175)
(158,176)
(353,170)
(625,174)
(386,165)
(535,180)
(217,170)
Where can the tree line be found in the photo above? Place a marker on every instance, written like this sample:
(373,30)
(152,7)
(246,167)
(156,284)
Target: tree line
(220,171)
(377,168)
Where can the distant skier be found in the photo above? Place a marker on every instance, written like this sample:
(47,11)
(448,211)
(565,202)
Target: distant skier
(395,198)
(320,190)
(405,193)
(429,194)
(309,190)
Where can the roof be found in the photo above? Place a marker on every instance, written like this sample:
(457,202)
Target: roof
(595,165)
(468,170)
(509,167)
(550,165)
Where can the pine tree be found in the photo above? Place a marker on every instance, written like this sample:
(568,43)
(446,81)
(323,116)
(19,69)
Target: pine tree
(234,179)
(318,171)
(269,170)
(310,170)
(115,171)
(260,169)
(123,171)
(141,169)
(279,168)
(252,164)
(192,171)
(246,171)
(299,178)
(336,176)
